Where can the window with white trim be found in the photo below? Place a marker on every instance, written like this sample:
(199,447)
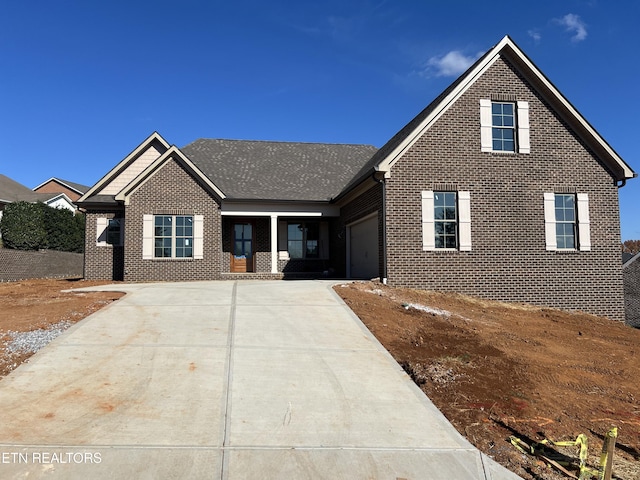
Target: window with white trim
(110,231)
(567,225)
(504,126)
(446,220)
(173,236)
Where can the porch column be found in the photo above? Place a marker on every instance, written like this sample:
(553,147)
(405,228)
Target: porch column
(274,243)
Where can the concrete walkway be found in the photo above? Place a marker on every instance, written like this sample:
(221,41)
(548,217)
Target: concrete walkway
(225,380)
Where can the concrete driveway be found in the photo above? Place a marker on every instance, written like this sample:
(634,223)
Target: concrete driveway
(225,380)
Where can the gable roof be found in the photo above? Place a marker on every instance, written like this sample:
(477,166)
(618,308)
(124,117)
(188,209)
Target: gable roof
(264,170)
(76,187)
(175,154)
(12,191)
(409,134)
(153,143)
(629,258)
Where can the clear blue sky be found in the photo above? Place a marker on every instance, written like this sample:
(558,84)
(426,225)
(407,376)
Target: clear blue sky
(84,82)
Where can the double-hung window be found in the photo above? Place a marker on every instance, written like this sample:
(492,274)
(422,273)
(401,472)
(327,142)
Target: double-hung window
(446,220)
(565,210)
(567,225)
(173,236)
(504,126)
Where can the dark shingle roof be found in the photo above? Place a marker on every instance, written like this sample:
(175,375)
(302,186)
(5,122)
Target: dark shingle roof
(12,191)
(263,170)
(78,187)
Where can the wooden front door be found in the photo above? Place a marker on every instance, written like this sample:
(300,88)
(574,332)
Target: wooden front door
(242,255)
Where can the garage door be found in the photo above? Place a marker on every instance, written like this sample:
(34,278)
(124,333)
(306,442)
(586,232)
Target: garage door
(363,249)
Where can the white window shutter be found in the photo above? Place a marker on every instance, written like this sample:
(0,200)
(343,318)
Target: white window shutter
(550,221)
(464,220)
(584,225)
(147,237)
(524,144)
(428,221)
(101,231)
(324,240)
(198,237)
(486,142)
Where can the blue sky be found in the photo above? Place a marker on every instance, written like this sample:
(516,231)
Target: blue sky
(84,82)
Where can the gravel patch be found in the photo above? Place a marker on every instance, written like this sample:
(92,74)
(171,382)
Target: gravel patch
(31,342)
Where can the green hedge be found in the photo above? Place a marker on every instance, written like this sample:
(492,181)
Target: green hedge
(32,226)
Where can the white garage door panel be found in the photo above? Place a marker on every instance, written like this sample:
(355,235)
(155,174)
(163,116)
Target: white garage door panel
(364,249)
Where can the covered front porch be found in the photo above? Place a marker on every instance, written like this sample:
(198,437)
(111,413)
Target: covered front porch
(281,241)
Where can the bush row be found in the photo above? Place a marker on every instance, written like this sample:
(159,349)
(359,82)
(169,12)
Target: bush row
(32,226)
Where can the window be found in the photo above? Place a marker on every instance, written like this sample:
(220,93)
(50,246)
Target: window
(445,219)
(114,231)
(503,131)
(504,126)
(303,240)
(565,209)
(109,231)
(567,225)
(173,236)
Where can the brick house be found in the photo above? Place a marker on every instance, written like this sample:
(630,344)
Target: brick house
(57,185)
(499,188)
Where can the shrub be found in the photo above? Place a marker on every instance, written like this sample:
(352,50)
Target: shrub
(31,226)
(22,226)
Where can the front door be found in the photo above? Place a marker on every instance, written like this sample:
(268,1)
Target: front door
(242,258)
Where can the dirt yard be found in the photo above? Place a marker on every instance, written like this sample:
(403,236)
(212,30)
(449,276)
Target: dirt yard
(32,305)
(498,370)
(493,369)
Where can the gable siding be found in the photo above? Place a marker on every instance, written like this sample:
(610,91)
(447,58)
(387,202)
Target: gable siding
(508,260)
(131,172)
(172,191)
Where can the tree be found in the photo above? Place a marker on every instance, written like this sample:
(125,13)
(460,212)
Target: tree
(22,226)
(631,246)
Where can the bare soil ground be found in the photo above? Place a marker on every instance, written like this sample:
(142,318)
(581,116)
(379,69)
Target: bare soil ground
(37,304)
(493,369)
(497,370)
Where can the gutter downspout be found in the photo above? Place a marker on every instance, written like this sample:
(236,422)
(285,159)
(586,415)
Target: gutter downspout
(384,226)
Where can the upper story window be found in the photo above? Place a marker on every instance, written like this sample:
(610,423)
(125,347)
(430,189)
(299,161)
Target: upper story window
(503,127)
(173,236)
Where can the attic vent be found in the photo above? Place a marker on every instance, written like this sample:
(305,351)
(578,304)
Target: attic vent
(445,187)
(503,97)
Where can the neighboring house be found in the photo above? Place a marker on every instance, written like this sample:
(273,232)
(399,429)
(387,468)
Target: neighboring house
(12,191)
(499,188)
(631,274)
(56,185)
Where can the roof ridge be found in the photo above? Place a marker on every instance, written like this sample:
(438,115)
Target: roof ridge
(282,142)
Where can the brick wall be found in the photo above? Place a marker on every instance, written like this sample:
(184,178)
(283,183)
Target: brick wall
(21,265)
(172,191)
(508,260)
(631,274)
(104,262)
